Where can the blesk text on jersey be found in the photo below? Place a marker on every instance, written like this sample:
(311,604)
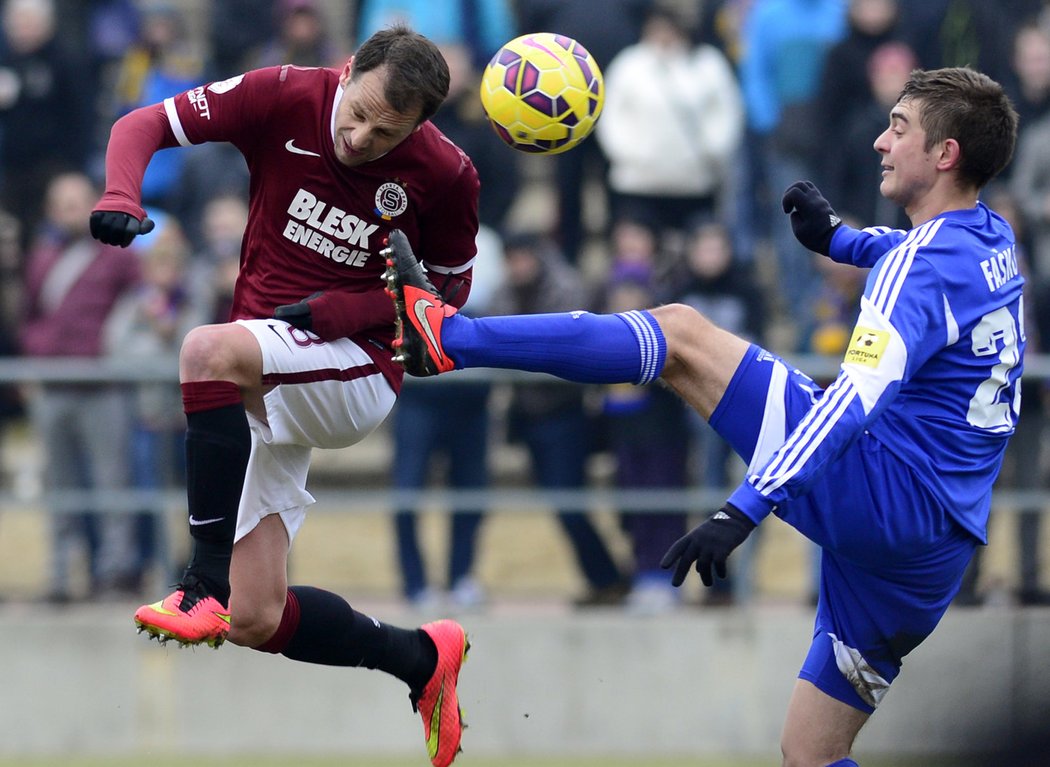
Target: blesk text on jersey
(314,223)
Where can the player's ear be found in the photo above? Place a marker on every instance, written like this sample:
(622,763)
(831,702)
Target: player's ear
(950,155)
(344,76)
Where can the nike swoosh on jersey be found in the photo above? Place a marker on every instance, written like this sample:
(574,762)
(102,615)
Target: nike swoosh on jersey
(291,147)
(420,309)
(195,521)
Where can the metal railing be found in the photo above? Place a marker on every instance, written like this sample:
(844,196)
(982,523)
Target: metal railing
(495,499)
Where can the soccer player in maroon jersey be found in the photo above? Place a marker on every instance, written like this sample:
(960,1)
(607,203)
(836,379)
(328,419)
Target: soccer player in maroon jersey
(338,160)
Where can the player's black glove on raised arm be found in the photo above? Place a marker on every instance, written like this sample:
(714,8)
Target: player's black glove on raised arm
(298,315)
(812,218)
(113,227)
(709,543)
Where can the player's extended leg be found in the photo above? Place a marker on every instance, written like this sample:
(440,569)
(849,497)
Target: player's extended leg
(316,626)
(217,363)
(578,346)
(819,730)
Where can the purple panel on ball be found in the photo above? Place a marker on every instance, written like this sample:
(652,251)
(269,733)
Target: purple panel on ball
(507,56)
(530,77)
(510,77)
(541,102)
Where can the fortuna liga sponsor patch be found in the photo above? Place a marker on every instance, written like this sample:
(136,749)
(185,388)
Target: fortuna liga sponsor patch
(867,346)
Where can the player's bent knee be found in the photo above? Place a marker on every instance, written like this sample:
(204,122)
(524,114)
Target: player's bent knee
(673,317)
(683,326)
(252,626)
(215,353)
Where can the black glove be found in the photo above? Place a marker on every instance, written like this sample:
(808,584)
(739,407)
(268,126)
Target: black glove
(297,315)
(708,543)
(812,218)
(115,228)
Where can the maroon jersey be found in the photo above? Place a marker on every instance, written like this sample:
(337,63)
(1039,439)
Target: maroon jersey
(314,224)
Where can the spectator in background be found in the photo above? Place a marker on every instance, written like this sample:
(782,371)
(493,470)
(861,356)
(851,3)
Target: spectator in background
(449,421)
(584,169)
(46,119)
(162,63)
(720,24)
(964,33)
(463,121)
(549,418)
(785,45)
(646,428)
(1030,189)
(215,265)
(72,284)
(832,315)
(11,404)
(148,324)
(101,31)
(853,171)
(302,37)
(673,119)
(1029,89)
(845,84)
(207,172)
(635,248)
(237,31)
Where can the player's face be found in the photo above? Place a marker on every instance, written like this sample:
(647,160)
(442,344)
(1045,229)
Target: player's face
(366,126)
(909,171)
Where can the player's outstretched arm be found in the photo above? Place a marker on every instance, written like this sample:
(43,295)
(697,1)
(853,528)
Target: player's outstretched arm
(119,218)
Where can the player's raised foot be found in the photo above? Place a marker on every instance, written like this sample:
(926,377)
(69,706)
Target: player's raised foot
(420,310)
(190,616)
(438,703)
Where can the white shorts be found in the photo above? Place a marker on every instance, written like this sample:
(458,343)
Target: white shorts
(325,394)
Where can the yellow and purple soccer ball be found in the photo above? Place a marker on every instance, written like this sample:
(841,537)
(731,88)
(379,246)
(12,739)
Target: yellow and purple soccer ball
(542,93)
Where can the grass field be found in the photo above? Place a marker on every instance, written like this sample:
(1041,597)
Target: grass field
(421,761)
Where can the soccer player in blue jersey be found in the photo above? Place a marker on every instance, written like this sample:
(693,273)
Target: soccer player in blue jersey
(890,468)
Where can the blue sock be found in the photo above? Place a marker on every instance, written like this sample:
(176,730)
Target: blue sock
(847,762)
(578,346)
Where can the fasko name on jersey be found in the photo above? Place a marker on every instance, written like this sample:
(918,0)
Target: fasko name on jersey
(314,219)
(1000,268)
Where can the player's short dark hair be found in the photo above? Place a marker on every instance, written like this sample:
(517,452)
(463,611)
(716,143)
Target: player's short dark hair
(417,73)
(970,107)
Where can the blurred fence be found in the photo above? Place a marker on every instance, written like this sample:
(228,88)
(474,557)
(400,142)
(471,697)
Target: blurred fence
(494,499)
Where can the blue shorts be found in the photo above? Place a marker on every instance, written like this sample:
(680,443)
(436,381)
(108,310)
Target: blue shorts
(892,557)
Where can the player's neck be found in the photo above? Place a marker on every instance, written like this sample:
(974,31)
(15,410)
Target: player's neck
(942,198)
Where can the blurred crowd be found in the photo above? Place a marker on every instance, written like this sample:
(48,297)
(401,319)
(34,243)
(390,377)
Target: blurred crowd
(712,108)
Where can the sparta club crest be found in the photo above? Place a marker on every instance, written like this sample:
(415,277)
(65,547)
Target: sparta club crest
(391,200)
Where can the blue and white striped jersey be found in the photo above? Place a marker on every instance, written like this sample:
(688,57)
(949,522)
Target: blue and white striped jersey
(932,370)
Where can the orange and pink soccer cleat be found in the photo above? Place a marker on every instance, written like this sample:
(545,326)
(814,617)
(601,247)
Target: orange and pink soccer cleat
(189,616)
(438,704)
(420,310)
